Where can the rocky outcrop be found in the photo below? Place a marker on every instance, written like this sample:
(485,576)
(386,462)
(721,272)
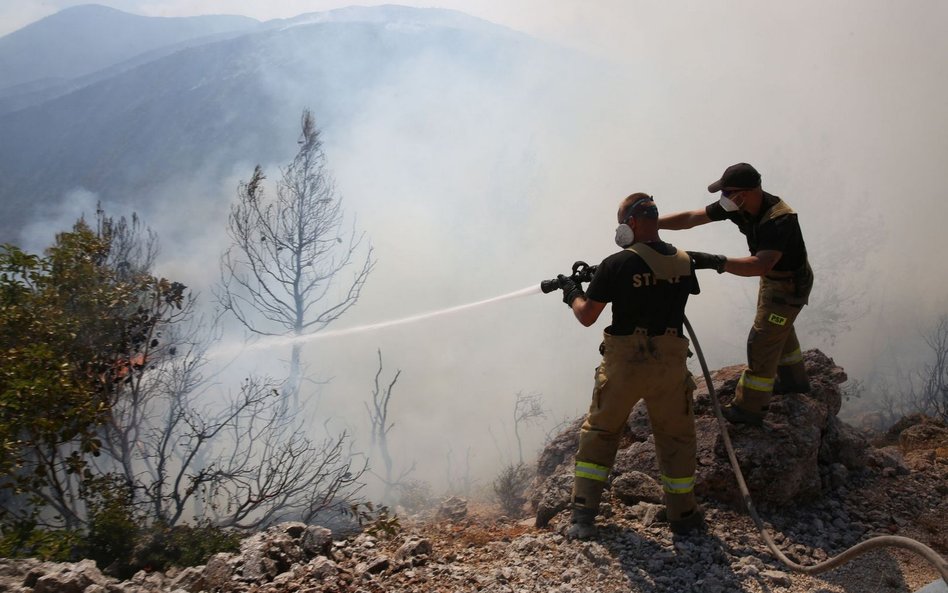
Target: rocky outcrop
(264,558)
(32,576)
(926,434)
(453,509)
(266,555)
(864,491)
(802,449)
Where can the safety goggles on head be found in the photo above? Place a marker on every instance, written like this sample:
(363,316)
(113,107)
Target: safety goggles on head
(644,206)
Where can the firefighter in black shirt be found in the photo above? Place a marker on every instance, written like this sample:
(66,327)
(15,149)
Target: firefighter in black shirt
(778,256)
(643,357)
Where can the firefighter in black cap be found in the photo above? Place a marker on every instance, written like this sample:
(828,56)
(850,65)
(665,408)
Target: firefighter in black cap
(778,256)
(644,356)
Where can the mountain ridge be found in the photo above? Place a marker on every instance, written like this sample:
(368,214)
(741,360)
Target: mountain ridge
(212,106)
(83,39)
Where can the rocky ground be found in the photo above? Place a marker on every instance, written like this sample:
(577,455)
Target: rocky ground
(818,498)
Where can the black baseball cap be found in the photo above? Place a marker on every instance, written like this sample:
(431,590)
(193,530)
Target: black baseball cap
(739,176)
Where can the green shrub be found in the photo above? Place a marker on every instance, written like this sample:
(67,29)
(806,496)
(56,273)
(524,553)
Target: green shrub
(159,547)
(376,521)
(24,539)
(113,527)
(200,542)
(119,540)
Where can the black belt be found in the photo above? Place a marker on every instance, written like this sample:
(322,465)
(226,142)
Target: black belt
(799,274)
(651,333)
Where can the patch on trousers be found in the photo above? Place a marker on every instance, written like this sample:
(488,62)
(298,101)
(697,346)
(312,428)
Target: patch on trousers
(777,319)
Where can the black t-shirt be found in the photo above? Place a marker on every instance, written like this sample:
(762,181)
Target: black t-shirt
(638,298)
(780,234)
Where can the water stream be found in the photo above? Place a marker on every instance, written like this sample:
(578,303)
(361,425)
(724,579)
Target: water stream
(277,342)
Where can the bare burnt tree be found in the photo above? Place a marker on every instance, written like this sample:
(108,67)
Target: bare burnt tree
(930,391)
(888,399)
(133,246)
(511,482)
(245,462)
(283,274)
(528,409)
(378,419)
(272,473)
(459,482)
(177,446)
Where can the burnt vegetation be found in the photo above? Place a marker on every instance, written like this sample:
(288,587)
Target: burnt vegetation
(118,442)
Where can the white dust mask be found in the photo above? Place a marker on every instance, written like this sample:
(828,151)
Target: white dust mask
(625,236)
(728,204)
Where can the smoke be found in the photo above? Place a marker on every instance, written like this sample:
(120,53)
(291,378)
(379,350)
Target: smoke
(467,193)
(41,232)
(842,115)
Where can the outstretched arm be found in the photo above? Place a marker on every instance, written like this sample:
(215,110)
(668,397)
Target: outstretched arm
(683,220)
(754,265)
(586,310)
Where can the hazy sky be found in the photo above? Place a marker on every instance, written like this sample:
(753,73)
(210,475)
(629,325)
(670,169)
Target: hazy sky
(841,105)
(562,18)
(600,26)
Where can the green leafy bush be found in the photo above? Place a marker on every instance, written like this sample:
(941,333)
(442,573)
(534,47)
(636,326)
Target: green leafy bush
(23,539)
(112,527)
(160,547)
(123,551)
(376,521)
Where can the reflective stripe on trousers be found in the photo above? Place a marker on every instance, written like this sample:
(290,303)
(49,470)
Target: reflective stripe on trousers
(633,368)
(748,381)
(791,358)
(599,473)
(678,485)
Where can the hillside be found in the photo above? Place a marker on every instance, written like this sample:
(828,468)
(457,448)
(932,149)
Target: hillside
(172,126)
(881,489)
(84,39)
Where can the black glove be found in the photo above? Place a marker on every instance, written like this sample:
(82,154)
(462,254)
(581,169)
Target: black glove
(708,261)
(571,289)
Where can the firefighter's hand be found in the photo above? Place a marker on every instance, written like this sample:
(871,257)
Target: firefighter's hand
(571,289)
(708,261)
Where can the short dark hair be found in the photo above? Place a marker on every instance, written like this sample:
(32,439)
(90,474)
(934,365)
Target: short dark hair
(638,205)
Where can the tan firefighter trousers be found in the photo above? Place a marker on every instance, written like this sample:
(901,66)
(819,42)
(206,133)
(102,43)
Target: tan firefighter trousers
(772,345)
(640,367)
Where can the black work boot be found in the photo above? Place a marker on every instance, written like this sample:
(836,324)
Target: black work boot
(692,522)
(583,524)
(737,415)
(791,379)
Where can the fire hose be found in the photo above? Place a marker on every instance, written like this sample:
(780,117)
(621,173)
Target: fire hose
(882,541)
(582,272)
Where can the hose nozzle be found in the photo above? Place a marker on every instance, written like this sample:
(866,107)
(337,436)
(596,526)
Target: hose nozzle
(548,286)
(582,272)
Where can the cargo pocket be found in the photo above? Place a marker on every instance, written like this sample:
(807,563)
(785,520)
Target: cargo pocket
(600,384)
(690,386)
